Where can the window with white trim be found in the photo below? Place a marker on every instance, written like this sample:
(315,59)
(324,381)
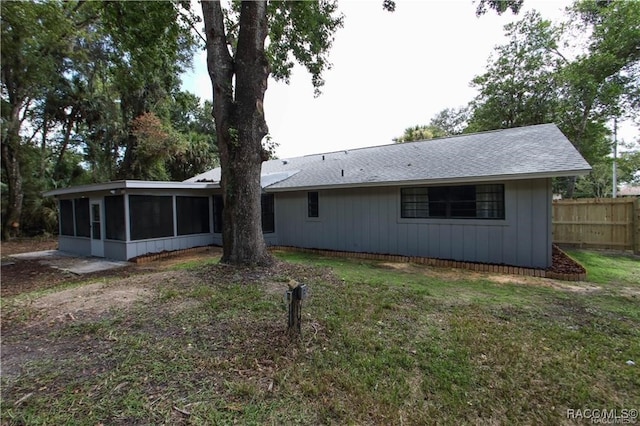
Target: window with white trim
(453,202)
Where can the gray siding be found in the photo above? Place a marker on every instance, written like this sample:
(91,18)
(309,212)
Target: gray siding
(368,220)
(158,245)
(116,250)
(121,250)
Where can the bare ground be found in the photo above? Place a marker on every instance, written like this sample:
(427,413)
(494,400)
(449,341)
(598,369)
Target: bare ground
(32,322)
(27,321)
(27,275)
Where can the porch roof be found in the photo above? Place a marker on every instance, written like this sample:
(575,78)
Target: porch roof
(122,185)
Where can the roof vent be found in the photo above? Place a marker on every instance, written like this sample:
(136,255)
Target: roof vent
(343,171)
(285,162)
(323,158)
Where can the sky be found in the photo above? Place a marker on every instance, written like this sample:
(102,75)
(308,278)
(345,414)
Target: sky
(390,71)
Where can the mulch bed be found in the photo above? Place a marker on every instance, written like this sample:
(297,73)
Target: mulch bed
(561,263)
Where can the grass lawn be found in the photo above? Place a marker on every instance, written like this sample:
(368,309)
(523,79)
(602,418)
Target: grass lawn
(382,343)
(609,267)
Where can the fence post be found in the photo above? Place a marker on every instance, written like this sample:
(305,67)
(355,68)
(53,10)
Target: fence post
(636,225)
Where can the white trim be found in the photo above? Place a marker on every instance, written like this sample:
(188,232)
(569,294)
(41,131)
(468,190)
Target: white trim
(129,184)
(431,182)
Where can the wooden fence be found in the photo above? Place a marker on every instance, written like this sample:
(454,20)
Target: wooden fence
(606,223)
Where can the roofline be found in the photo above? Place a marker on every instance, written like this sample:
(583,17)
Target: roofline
(141,184)
(458,135)
(129,184)
(475,179)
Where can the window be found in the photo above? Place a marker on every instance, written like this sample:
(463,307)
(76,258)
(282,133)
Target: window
(151,216)
(217,214)
(66,218)
(81,210)
(114,217)
(95,222)
(312,204)
(490,201)
(193,215)
(268,214)
(463,202)
(74,218)
(414,203)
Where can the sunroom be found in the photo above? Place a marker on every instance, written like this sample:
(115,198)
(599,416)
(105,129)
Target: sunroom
(126,219)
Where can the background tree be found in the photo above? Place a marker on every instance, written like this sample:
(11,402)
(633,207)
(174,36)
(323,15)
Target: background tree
(530,81)
(519,87)
(629,166)
(448,122)
(196,132)
(603,83)
(154,48)
(453,121)
(419,133)
(77,78)
(35,44)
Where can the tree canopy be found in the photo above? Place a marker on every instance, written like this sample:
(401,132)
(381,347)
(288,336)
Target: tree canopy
(545,73)
(80,82)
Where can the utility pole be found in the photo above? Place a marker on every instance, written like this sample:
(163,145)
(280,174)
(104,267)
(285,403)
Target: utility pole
(615,158)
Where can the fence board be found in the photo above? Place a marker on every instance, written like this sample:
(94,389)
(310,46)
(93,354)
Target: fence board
(609,223)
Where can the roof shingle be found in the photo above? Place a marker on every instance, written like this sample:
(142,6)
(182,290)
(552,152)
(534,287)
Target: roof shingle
(523,152)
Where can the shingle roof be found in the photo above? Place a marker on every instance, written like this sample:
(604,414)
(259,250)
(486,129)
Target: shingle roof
(524,152)
(629,191)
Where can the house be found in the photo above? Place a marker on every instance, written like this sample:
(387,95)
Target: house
(483,197)
(627,190)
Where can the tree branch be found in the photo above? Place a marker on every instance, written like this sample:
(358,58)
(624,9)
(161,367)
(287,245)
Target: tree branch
(219,61)
(186,17)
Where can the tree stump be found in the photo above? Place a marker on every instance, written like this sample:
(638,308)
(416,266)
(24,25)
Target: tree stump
(295,295)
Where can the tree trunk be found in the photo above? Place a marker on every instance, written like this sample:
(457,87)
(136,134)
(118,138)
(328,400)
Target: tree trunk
(240,126)
(15,195)
(57,174)
(43,147)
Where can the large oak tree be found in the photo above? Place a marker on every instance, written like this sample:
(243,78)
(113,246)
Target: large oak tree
(245,44)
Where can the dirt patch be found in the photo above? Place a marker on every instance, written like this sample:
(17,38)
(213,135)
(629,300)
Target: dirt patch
(561,263)
(94,299)
(27,245)
(570,286)
(28,275)
(630,291)
(29,323)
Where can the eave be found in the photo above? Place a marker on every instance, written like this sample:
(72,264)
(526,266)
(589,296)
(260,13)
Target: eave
(130,184)
(445,181)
